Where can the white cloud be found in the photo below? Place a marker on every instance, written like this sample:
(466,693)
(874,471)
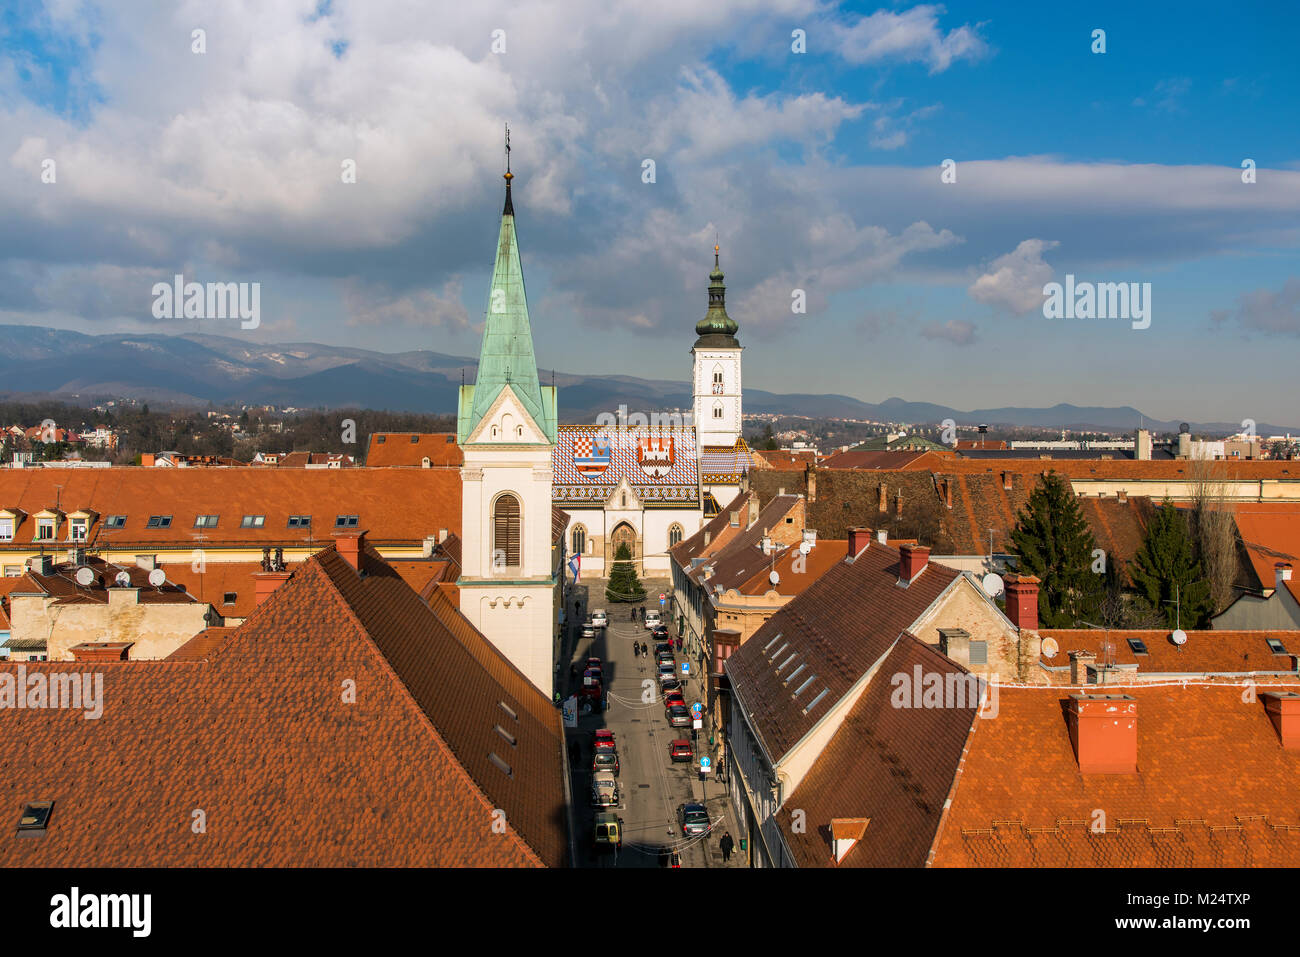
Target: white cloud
(1265,311)
(1015,281)
(912,36)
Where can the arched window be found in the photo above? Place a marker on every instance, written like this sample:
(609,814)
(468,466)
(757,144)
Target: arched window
(579,540)
(717,410)
(717,380)
(505,532)
(674,534)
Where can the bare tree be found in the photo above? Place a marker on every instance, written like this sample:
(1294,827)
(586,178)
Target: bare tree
(1214,531)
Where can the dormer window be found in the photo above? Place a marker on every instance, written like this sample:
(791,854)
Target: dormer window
(7,529)
(77,529)
(45,529)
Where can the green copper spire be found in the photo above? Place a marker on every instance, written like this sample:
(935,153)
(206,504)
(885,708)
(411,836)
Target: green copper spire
(507,357)
(717,328)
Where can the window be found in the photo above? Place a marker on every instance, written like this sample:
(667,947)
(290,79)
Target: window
(346,521)
(979,652)
(77,529)
(505,768)
(159,521)
(1136,645)
(115,521)
(253,521)
(1275,645)
(507,735)
(300,521)
(35,816)
(505,531)
(13,571)
(379,439)
(414,439)
(229,597)
(6,529)
(717,380)
(205,521)
(45,530)
(717,410)
(579,540)
(508,710)
(674,535)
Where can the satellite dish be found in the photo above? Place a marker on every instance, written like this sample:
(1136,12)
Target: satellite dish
(123,580)
(1050,648)
(157,577)
(774,578)
(992,584)
(1179,637)
(85,577)
(805,548)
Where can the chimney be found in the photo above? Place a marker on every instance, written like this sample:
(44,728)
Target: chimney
(147,562)
(43,564)
(898,504)
(265,583)
(1142,445)
(118,597)
(1283,709)
(1122,495)
(1022,601)
(76,556)
(1006,481)
(911,561)
(810,536)
(955,643)
(884,498)
(442,535)
(767,545)
(101,651)
(859,538)
(812,483)
(349,545)
(947,493)
(1281,574)
(882,535)
(781,490)
(753,511)
(1080,662)
(1103,730)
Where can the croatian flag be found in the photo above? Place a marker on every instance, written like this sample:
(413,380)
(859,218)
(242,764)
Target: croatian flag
(575,566)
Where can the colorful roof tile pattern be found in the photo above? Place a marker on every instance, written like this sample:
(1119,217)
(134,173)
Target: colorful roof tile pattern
(660,465)
(723,464)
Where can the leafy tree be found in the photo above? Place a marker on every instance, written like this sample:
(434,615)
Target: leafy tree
(623,582)
(1167,574)
(1054,543)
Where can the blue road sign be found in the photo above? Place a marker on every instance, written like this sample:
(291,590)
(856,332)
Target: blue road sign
(705,762)
(686,667)
(696,708)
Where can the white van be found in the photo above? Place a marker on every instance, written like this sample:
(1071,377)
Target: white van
(651,618)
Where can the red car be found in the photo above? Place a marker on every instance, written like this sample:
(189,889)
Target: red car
(680,750)
(595,663)
(672,698)
(604,739)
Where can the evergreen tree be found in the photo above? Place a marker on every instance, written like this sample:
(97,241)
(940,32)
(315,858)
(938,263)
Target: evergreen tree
(1054,543)
(623,582)
(1166,573)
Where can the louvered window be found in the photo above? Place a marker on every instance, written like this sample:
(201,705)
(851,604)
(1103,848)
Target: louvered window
(505,534)
(979,653)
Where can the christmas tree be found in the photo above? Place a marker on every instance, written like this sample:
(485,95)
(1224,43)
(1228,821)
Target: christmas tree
(1053,542)
(623,583)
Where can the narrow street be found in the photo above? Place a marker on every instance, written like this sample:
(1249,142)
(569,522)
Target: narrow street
(651,785)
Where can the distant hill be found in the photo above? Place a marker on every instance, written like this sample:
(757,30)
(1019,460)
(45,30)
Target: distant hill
(197,369)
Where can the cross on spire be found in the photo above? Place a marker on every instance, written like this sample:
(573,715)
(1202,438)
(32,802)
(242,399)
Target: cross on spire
(510,206)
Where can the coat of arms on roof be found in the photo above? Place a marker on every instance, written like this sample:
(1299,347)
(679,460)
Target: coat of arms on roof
(655,454)
(591,454)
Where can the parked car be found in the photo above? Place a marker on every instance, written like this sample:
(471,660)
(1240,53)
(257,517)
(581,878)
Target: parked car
(679,716)
(667,672)
(604,738)
(588,630)
(604,789)
(692,818)
(600,618)
(609,831)
(651,619)
(666,659)
(605,760)
(671,683)
(680,750)
(659,631)
(663,647)
(673,697)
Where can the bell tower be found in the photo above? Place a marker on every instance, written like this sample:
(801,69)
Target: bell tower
(716,382)
(506,428)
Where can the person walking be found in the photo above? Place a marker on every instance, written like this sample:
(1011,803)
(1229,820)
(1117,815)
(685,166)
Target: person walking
(636,649)
(726,844)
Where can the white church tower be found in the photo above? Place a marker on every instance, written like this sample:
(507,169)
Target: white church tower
(506,428)
(717,384)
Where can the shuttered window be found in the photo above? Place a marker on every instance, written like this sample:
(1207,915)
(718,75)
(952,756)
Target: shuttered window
(979,653)
(505,534)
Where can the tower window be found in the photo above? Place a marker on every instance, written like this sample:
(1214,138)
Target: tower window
(717,410)
(717,381)
(579,540)
(505,531)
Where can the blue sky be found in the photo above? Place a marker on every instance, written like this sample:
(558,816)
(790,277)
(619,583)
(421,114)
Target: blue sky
(818,171)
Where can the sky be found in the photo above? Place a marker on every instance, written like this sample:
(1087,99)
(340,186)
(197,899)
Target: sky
(812,140)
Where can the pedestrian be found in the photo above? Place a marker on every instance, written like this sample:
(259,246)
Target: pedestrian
(679,643)
(636,649)
(726,844)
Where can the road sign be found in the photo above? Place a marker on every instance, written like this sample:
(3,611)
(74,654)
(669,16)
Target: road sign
(697,709)
(705,766)
(697,724)
(662,602)
(705,761)
(686,667)
(662,596)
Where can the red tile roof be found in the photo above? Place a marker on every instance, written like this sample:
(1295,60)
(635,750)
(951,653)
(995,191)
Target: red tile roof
(1205,652)
(1214,787)
(388,449)
(855,459)
(839,628)
(822,557)
(1270,532)
(289,770)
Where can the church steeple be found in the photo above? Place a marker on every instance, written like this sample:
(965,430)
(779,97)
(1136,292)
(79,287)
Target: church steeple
(717,328)
(507,357)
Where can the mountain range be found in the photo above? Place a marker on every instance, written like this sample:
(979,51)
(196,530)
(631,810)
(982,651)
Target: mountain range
(37,362)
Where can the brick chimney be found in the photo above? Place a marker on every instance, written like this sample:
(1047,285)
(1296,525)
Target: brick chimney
(101,651)
(1080,662)
(1006,481)
(947,493)
(812,483)
(1103,730)
(1122,495)
(884,498)
(265,584)
(349,545)
(898,503)
(911,560)
(1022,601)
(859,538)
(1284,711)
(1281,574)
